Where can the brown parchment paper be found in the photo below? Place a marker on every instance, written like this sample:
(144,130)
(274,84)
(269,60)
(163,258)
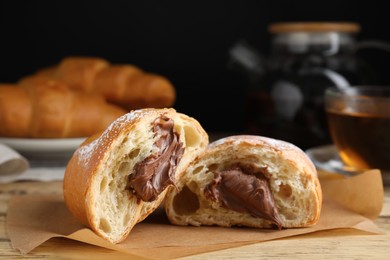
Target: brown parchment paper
(348,203)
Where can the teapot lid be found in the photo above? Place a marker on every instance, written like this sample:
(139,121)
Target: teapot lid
(286,27)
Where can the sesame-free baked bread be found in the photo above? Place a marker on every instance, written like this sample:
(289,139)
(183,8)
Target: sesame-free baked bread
(249,181)
(121,84)
(116,179)
(51,110)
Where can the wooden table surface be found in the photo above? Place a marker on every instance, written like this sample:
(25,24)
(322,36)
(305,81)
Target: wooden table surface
(335,244)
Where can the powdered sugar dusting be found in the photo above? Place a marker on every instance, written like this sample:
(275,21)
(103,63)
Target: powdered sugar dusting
(218,142)
(85,152)
(277,144)
(133,115)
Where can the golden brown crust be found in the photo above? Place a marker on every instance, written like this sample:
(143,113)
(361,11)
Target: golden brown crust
(78,177)
(124,85)
(15,111)
(35,80)
(80,72)
(52,110)
(50,106)
(148,90)
(112,81)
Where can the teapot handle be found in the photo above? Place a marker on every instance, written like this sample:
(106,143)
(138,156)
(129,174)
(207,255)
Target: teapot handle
(372,44)
(247,60)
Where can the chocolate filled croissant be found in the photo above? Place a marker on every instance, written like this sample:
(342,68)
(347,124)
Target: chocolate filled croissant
(247,181)
(116,179)
(51,110)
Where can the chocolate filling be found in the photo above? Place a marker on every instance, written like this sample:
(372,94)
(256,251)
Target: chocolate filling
(157,171)
(245,191)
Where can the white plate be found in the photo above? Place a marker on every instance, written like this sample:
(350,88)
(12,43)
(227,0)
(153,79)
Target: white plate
(44,148)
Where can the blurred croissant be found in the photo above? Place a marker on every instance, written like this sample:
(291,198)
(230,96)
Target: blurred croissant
(52,110)
(124,85)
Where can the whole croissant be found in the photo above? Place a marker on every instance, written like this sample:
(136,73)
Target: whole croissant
(124,85)
(52,110)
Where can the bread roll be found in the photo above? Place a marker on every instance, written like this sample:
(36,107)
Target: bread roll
(247,181)
(115,180)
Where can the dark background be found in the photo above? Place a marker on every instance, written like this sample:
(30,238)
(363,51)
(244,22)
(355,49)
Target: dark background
(186,41)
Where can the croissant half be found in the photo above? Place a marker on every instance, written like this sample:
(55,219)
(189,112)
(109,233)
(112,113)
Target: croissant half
(247,181)
(115,180)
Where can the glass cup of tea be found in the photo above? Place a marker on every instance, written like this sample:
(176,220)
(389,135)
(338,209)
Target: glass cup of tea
(359,125)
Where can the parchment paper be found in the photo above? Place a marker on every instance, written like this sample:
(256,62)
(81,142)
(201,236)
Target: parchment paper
(348,203)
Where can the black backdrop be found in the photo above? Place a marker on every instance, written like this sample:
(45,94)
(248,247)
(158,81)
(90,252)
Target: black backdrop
(187,41)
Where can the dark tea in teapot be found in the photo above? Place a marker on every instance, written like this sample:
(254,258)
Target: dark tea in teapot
(306,58)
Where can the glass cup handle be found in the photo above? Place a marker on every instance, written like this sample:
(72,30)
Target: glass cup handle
(336,78)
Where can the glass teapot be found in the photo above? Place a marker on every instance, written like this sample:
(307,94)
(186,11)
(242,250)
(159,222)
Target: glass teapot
(286,96)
